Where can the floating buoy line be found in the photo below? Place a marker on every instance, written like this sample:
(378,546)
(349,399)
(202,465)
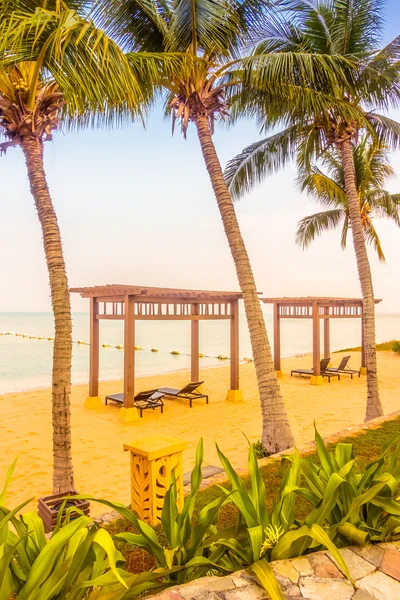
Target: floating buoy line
(221,357)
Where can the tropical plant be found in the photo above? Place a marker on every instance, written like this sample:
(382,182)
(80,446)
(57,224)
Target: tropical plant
(326,185)
(54,64)
(327,115)
(276,535)
(192,544)
(349,505)
(195,546)
(358,504)
(78,554)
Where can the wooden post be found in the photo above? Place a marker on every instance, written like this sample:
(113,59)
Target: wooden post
(327,335)
(363,369)
(94,349)
(234,393)
(94,400)
(129,351)
(277,341)
(316,378)
(195,344)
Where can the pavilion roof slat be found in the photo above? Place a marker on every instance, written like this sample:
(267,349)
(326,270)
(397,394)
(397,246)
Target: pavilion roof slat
(154,293)
(310,300)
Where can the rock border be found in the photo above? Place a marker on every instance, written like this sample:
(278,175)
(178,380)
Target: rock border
(375,571)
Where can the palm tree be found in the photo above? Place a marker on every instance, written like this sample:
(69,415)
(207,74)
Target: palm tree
(372,168)
(209,32)
(213,35)
(54,64)
(334,117)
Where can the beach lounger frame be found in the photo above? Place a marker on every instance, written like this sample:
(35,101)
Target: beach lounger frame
(323,368)
(188,392)
(342,368)
(142,401)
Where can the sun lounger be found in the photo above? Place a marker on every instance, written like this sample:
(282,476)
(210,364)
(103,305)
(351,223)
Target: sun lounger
(342,368)
(142,401)
(188,392)
(323,369)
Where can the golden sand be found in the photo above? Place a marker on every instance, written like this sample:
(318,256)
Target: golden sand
(101,466)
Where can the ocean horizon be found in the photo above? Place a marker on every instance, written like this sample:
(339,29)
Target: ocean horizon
(25,364)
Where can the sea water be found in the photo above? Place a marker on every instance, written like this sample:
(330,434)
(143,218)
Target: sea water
(26,363)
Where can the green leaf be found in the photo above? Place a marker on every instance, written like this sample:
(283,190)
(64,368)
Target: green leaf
(6,556)
(169,515)
(125,512)
(206,518)
(392,507)
(323,454)
(256,541)
(319,535)
(323,511)
(292,543)
(36,528)
(240,497)
(257,489)
(45,562)
(7,518)
(267,579)
(354,534)
(7,482)
(103,538)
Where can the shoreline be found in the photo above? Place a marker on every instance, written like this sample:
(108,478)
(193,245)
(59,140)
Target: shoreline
(147,374)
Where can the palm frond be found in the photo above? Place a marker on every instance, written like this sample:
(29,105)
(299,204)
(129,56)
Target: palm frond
(211,26)
(384,204)
(91,70)
(141,25)
(314,225)
(386,130)
(256,161)
(371,237)
(345,231)
(322,187)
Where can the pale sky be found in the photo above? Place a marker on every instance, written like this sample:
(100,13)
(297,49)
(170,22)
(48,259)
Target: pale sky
(137,207)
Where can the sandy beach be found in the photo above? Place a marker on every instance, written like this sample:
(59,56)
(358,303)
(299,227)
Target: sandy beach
(101,466)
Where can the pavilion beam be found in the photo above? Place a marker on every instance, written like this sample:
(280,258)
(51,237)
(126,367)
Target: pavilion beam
(93,400)
(128,412)
(277,341)
(327,335)
(316,378)
(194,360)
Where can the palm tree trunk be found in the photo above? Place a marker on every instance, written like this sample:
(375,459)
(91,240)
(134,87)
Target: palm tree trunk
(276,431)
(63,478)
(374,406)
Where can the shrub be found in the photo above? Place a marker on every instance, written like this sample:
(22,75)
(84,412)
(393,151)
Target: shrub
(76,557)
(259,450)
(396,347)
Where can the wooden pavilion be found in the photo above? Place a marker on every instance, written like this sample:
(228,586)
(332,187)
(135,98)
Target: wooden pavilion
(316,309)
(134,303)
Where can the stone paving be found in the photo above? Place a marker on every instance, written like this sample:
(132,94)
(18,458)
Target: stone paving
(374,569)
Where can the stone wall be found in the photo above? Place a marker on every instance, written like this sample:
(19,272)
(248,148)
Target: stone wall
(375,570)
